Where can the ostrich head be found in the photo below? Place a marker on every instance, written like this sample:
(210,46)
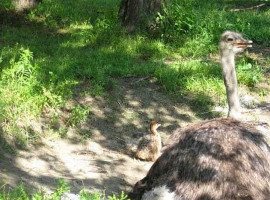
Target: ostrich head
(233,42)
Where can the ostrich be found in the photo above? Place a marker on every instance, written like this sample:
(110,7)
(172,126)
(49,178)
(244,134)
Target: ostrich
(230,44)
(218,159)
(150,146)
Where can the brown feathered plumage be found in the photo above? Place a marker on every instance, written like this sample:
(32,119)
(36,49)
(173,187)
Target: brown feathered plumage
(149,146)
(219,159)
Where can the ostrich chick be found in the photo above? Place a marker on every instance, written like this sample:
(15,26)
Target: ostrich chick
(149,146)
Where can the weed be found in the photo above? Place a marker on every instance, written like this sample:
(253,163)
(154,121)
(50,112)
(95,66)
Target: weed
(84,195)
(78,115)
(62,189)
(63,131)
(122,196)
(96,90)
(23,69)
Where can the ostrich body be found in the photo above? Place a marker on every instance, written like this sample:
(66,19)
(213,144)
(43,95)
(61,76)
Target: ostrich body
(230,44)
(150,146)
(218,159)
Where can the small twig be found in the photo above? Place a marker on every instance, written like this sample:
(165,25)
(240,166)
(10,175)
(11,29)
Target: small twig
(250,8)
(141,79)
(118,102)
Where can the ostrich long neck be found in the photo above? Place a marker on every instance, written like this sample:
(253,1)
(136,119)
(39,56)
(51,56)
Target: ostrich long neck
(153,131)
(230,81)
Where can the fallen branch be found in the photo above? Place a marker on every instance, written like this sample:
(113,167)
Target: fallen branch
(250,8)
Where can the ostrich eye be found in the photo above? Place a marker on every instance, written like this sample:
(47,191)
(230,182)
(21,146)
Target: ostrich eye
(230,39)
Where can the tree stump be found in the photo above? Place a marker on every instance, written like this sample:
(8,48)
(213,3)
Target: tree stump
(135,14)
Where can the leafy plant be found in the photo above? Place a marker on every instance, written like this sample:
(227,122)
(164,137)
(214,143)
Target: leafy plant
(96,90)
(122,196)
(23,69)
(62,187)
(78,115)
(22,193)
(63,131)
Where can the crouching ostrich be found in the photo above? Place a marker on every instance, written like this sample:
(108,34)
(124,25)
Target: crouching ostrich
(150,146)
(219,159)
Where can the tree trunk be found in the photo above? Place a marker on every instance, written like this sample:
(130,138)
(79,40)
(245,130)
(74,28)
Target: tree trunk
(135,14)
(25,4)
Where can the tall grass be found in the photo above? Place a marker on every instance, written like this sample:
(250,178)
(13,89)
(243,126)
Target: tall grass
(196,26)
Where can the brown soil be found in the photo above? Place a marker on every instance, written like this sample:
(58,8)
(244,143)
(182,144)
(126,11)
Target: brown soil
(95,157)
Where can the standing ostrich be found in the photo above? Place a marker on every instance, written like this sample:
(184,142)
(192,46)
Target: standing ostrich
(219,159)
(230,44)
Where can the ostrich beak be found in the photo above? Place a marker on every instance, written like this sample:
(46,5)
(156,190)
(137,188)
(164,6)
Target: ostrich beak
(244,44)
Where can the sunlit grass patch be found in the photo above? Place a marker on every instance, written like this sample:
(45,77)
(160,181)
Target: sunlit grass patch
(249,73)
(192,77)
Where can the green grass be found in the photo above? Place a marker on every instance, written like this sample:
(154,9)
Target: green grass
(61,44)
(196,26)
(62,188)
